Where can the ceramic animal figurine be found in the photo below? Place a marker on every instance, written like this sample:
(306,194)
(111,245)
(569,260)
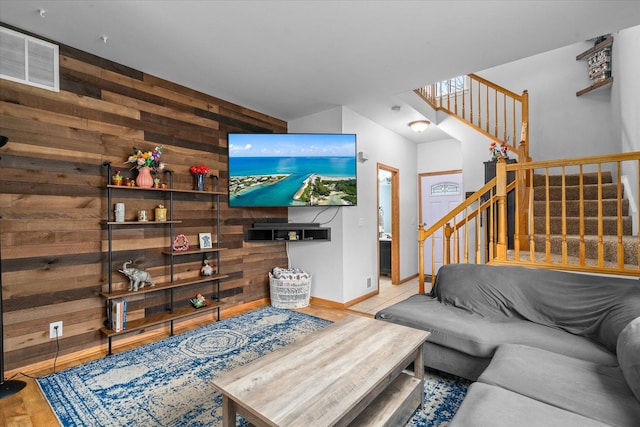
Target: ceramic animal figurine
(137,278)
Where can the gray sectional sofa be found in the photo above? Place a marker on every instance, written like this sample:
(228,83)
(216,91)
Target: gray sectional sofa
(544,347)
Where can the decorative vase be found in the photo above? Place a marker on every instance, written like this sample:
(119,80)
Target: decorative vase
(144,178)
(199,181)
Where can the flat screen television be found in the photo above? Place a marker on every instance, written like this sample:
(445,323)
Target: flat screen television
(292,169)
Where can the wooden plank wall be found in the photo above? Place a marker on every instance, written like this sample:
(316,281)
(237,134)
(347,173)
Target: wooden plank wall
(53,198)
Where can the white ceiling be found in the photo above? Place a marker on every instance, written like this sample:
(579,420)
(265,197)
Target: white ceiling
(289,59)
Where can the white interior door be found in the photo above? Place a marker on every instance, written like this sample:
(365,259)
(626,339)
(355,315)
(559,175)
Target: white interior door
(439,194)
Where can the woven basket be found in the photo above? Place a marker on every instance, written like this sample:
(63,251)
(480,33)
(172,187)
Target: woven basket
(286,293)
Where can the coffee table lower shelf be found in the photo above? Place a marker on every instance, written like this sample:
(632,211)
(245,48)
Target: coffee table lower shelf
(395,405)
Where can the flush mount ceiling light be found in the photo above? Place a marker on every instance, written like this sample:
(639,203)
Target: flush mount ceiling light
(419,125)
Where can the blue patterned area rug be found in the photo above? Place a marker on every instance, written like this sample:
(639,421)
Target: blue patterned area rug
(168,382)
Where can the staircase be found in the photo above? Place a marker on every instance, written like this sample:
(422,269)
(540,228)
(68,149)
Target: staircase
(581,225)
(573,220)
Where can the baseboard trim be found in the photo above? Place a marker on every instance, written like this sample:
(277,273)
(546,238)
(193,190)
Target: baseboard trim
(406,279)
(342,305)
(362,298)
(326,303)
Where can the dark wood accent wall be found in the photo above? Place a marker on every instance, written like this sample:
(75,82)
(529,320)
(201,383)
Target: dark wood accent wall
(53,201)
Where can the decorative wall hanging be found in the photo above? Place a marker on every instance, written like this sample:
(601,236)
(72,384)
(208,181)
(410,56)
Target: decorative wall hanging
(181,243)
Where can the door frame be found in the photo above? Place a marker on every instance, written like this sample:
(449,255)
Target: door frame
(395,220)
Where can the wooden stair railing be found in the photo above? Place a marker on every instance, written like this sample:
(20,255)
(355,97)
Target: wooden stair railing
(494,111)
(559,232)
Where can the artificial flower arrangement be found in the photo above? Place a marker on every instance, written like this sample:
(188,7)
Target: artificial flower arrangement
(199,170)
(199,301)
(498,150)
(150,159)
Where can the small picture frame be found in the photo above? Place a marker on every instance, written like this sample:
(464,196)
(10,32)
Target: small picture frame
(205,240)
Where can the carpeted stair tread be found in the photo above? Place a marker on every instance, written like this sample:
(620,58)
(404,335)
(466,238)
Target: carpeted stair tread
(591,243)
(589,192)
(572,207)
(587,178)
(540,257)
(607,205)
(609,225)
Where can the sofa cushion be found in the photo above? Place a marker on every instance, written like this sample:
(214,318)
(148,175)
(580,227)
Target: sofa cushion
(586,388)
(455,362)
(479,336)
(489,406)
(629,355)
(597,307)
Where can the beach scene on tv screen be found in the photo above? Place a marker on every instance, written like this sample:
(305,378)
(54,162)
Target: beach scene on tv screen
(292,170)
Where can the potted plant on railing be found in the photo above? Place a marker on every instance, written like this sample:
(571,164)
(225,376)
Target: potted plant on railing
(498,150)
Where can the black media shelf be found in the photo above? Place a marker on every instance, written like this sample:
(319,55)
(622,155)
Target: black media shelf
(290,234)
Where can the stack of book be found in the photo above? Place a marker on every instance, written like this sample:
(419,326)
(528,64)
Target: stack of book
(118,314)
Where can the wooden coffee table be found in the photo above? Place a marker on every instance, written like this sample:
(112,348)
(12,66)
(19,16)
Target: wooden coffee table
(351,371)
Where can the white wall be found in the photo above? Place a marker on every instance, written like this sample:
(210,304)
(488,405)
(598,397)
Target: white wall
(467,150)
(450,157)
(388,148)
(341,267)
(561,125)
(626,48)
(626,95)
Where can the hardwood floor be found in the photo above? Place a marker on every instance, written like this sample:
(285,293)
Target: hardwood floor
(29,408)
(389,294)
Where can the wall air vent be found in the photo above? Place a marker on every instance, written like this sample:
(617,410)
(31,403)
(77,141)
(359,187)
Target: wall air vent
(28,60)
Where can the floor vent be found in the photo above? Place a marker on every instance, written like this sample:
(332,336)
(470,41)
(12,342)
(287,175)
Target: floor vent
(29,60)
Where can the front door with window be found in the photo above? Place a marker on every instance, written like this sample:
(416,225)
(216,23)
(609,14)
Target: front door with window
(439,194)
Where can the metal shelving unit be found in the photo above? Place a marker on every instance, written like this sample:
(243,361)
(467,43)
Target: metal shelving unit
(172,313)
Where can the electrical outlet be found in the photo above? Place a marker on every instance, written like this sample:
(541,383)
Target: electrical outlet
(52,330)
(369,284)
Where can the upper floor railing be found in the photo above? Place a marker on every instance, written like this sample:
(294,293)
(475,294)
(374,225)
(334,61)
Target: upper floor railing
(496,112)
(581,216)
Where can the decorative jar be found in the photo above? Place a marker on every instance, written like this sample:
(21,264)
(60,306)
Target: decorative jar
(161,213)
